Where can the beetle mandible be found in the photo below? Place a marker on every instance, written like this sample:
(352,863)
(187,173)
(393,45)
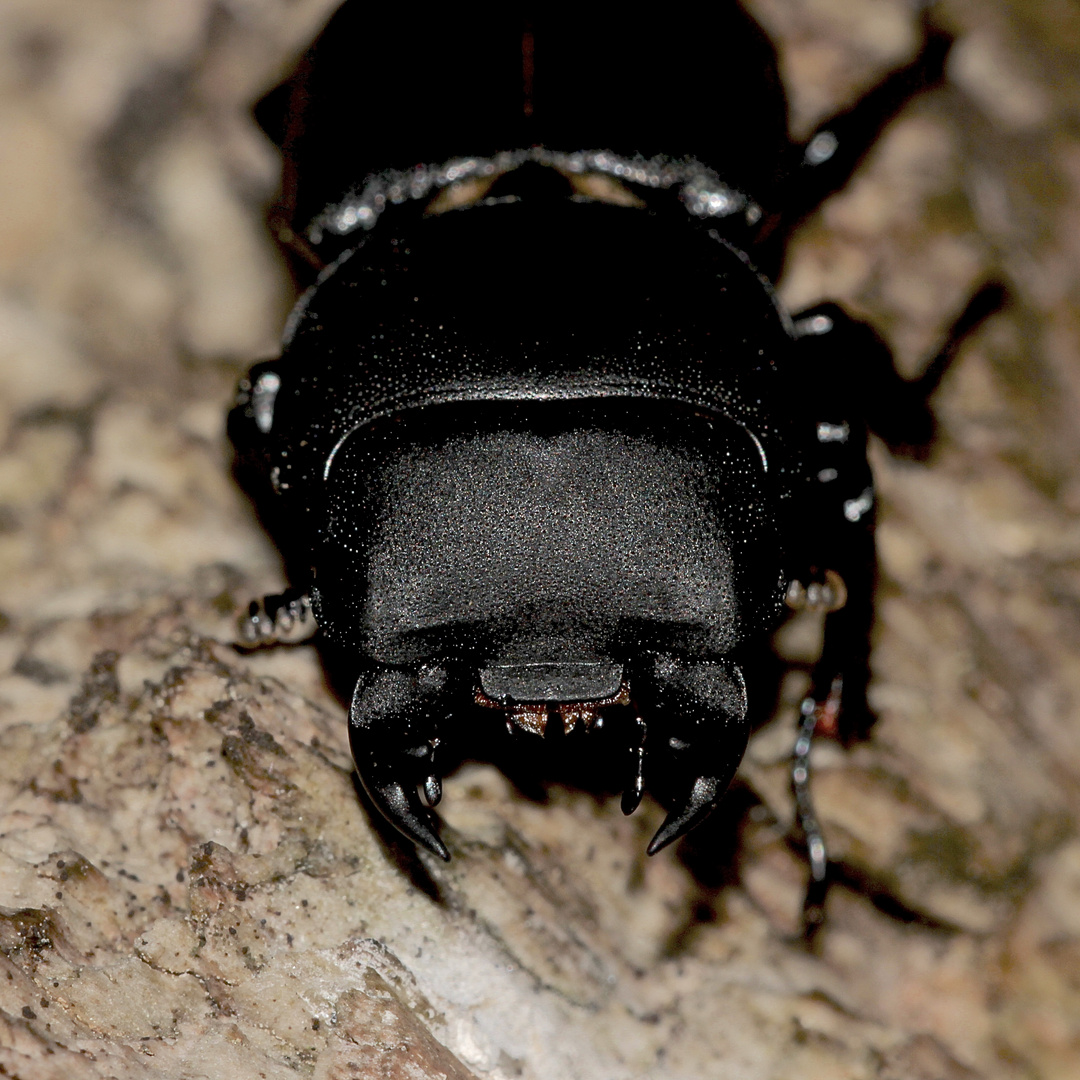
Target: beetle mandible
(541,438)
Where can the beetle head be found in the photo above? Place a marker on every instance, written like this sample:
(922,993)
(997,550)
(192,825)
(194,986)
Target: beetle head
(566,558)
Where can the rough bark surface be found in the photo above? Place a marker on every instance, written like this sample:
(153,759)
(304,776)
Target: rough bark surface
(189,883)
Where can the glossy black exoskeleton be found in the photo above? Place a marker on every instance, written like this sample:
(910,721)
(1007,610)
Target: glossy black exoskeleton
(541,438)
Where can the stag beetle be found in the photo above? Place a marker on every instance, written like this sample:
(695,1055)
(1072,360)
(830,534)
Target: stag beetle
(541,437)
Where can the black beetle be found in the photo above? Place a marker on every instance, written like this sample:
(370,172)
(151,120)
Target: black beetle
(541,438)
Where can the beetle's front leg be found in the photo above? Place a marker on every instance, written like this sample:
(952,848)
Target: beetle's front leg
(393,731)
(699,710)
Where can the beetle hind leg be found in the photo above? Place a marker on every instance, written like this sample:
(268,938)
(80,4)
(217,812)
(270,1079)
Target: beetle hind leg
(393,725)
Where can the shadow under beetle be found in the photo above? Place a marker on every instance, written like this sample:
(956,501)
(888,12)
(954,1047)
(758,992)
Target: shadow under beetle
(541,438)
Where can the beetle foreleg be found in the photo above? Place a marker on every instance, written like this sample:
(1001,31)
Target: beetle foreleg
(703,708)
(393,721)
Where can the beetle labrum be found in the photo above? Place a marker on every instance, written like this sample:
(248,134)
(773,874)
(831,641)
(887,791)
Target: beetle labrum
(541,438)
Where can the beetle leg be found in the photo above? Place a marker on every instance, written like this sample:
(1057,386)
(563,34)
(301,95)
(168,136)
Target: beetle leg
(703,706)
(827,160)
(815,713)
(844,373)
(392,725)
(898,409)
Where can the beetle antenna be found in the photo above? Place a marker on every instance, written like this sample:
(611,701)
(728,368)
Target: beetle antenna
(811,713)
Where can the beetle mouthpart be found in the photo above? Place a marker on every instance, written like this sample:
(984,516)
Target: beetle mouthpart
(631,799)
(400,805)
(703,705)
(533,694)
(705,793)
(586,713)
(391,733)
(551,682)
(432,790)
(532,718)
